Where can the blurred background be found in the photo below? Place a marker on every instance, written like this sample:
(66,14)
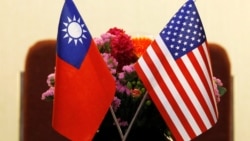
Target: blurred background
(25,22)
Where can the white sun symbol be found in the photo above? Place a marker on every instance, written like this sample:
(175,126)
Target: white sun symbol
(74,30)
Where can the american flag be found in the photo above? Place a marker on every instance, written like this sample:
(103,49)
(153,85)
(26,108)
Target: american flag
(176,71)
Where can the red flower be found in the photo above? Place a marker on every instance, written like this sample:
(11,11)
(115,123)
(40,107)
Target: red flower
(135,92)
(116,31)
(122,47)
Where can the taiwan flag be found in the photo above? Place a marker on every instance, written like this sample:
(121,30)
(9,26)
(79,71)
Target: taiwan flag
(84,87)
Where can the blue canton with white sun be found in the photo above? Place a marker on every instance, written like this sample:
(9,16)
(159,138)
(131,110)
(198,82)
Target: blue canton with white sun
(74,39)
(74,31)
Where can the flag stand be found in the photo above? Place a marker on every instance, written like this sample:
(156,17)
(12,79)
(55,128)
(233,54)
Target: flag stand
(122,135)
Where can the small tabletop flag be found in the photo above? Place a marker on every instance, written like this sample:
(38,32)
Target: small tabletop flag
(84,86)
(176,71)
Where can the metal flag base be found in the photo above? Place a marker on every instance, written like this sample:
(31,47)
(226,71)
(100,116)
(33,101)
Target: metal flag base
(125,135)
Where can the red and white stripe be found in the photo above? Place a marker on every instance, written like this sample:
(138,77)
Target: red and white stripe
(181,89)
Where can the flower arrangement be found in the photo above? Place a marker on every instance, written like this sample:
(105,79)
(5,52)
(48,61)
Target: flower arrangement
(120,51)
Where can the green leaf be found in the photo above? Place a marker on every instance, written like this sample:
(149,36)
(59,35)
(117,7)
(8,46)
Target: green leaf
(222,90)
(129,85)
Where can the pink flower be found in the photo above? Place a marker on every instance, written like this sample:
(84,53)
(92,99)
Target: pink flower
(48,94)
(116,103)
(106,37)
(128,68)
(113,71)
(217,83)
(127,91)
(121,75)
(119,87)
(51,79)
(110,61)
(122,123)
(98,41)
(122,88)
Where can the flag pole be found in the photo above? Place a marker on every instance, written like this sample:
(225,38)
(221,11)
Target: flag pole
(116,122)
(135,116)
